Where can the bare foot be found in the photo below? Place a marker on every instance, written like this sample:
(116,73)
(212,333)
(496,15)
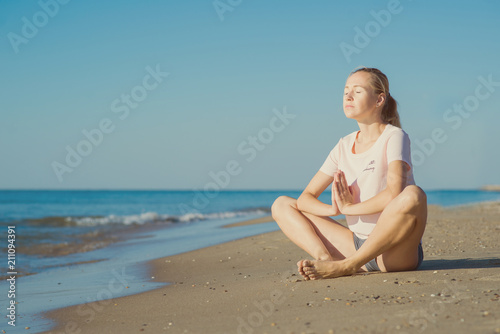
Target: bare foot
(315,269)
(301,270)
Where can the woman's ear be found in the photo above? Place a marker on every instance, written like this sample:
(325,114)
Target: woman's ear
(380,100)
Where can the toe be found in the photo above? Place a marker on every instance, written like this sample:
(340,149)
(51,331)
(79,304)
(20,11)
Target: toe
(300,267)
(302,274)
(306,269)
(310,273)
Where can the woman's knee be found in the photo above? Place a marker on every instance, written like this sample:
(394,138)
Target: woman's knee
(411,198)
(416,195)
(281,204)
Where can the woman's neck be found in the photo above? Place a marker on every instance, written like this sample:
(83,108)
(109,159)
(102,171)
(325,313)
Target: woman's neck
(370,132)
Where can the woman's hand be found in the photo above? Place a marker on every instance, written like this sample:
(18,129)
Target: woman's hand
(343,195)
(335,209)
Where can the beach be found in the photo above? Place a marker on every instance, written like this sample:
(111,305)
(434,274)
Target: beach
(251,285)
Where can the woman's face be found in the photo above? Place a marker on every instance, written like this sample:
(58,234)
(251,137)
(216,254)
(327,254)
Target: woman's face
(360,101)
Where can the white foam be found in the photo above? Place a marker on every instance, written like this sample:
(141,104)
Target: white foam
(153,217)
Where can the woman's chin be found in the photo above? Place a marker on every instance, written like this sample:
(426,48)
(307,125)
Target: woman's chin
(349,114)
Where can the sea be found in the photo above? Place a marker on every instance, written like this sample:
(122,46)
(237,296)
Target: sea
(63,248)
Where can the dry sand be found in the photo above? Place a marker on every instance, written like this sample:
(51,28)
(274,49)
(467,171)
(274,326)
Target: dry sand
(251,286)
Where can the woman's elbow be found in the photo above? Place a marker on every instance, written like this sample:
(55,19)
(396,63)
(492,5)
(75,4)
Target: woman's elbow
(394,192)
(300,203)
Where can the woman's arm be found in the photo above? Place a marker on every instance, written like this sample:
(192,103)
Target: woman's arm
(308,200)
(397,176)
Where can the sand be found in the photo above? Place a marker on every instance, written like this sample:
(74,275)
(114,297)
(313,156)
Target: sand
(251,286)
(491,187)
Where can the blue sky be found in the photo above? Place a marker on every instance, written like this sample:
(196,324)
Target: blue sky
(184,95)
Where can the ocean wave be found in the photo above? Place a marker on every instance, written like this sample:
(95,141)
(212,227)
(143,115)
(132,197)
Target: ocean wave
(143,218)
(153,217)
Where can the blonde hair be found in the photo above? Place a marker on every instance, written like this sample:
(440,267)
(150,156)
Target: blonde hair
(380,84)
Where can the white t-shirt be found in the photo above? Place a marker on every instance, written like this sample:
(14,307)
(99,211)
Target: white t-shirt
(367,171)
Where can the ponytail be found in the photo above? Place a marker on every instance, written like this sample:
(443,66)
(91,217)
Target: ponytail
(390,111)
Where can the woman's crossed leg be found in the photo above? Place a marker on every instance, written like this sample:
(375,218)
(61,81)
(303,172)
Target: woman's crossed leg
(393,242)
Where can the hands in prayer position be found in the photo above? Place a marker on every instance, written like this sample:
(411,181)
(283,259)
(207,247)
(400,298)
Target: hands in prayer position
(344,195)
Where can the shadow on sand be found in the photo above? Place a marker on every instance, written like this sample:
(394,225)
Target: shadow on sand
(436,264)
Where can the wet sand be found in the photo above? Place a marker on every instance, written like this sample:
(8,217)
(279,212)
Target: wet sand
(251,286)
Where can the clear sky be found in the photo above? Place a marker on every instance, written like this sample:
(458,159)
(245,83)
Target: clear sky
(174,94)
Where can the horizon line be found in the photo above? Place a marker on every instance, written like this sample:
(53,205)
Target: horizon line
(491,188)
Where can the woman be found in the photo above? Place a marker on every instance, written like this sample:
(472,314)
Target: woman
(372,185)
